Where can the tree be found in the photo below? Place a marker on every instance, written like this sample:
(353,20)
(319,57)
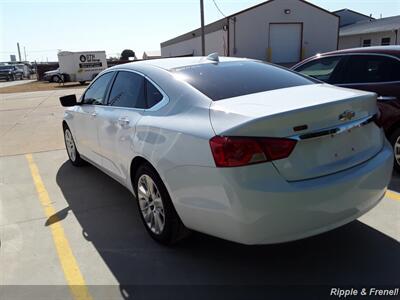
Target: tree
(126,54)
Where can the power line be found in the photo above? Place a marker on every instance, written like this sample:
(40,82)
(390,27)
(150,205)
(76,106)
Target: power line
(220,11)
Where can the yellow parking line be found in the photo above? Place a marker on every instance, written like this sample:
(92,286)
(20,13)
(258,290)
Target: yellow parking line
(392,195)
(68,262)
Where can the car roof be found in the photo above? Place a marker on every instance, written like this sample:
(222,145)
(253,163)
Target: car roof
(393,50)
(175,62)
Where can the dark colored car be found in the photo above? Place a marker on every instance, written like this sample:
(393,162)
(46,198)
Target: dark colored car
(11,73)
(375,69)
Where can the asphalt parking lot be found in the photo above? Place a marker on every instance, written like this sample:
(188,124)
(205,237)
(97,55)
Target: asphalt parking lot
(61,225)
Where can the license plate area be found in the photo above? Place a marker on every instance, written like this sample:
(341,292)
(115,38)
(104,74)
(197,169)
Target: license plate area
(331,153)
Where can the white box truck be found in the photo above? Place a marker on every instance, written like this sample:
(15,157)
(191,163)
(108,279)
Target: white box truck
(81,66)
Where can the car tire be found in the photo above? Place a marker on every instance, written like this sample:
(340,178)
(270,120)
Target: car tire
(55,78)
(159,217)
(73,154)
(395,141)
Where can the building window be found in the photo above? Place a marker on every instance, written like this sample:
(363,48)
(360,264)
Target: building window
(366,43)
(385,41)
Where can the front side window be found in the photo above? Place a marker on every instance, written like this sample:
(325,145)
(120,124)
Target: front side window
(321,69)
(128,91)
(232,79)
(95,94)
(371,68)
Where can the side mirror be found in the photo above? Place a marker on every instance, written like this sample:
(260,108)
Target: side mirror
(69,100)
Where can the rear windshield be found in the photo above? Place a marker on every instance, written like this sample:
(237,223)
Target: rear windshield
(238,78)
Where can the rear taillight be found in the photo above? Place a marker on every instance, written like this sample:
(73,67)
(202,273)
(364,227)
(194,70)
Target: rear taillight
(241,151)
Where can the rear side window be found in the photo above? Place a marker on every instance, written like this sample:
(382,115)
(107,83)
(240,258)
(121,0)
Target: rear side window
(153,95)
(128,91)
(233,79)
(95,94)
(321,69)
(371,68)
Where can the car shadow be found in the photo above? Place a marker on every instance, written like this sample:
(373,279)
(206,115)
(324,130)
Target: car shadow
(355,254)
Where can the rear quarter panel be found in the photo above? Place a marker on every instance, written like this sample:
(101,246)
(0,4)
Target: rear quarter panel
(390,117)
(177,134)
(382,89)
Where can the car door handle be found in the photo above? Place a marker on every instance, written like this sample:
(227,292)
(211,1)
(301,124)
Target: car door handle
(123,121)
(386,98)
(93,114)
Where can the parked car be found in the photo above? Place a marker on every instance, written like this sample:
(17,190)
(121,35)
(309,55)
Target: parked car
(25,68)
(10,72)
(52,76)
(235,148)
(374,69)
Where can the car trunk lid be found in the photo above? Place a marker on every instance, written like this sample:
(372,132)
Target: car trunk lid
(332,126)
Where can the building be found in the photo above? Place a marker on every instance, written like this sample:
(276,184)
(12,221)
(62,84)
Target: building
(151,54)
(348,16)
(370,32)
(279,31)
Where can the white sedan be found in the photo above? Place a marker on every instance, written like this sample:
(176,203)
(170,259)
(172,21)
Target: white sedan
(235,148)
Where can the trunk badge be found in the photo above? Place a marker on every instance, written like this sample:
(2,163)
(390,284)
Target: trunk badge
(347,115)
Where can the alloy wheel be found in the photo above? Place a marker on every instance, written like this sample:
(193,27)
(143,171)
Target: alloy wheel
(70,145)
(151,205)
(397,150)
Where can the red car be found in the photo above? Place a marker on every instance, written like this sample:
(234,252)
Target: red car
(374,69)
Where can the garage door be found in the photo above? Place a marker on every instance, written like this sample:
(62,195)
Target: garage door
(285,42)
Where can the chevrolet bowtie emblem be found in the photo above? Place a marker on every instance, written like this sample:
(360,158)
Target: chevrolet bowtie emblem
(347,115)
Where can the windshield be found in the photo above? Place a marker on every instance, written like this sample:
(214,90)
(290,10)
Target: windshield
(238,78)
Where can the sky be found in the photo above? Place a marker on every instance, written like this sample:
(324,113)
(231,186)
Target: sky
(43,27)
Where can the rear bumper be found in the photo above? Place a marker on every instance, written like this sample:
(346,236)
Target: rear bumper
(255,205)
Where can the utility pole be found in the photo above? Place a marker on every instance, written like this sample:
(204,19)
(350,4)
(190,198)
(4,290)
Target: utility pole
(19,52)
(203,47)
(25,53)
